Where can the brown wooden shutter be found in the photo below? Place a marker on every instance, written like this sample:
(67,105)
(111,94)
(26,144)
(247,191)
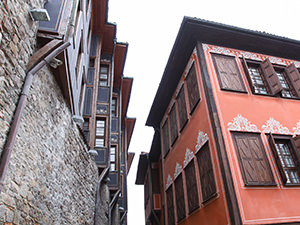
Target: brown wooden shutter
(246,69)
(192,88)
(165,134)
(173,124)
(271,77)
(170,206)
(277,159)
(207,179)
(296,146)
(228,73)
(294,76)
(180,202)
(183,118)
(191,187)
(253,161)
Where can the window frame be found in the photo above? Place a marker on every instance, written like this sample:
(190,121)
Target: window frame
(170,205)
(205,173)
(115,161)
(165,137)
(193,201)
(287,139)
(180,198)
(247,182)
(193,103)
(173,123)
(99,136)
(215,58)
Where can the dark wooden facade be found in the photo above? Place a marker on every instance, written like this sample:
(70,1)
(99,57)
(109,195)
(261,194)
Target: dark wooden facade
(227,130)
(93,83)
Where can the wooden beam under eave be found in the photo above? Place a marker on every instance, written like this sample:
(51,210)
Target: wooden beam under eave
(119,63)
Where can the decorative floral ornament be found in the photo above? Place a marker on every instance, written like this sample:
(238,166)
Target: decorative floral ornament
(240,123)
(169,181)
(296,129)
(201,140)
(273,126)
(178,170)
(189,155)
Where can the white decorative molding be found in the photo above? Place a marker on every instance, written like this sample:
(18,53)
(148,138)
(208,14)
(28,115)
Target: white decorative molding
(296,129)
(178,170)
(248,55)
(201,140)
(273,126)
(189,155)
(240,123)
(169,181)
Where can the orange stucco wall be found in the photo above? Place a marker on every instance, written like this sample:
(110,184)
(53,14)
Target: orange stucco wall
(258,205)
(215,211)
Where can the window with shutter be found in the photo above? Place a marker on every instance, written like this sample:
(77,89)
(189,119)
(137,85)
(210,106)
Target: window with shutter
(173,124)
(294,77)
(165,137)
(191,187)
(170,206)
(285,151)
(271,77)
(207,179)
(228,73)
(100,132)
(179,195)
(192,88)
(287,88)
(182,112)
(252,157)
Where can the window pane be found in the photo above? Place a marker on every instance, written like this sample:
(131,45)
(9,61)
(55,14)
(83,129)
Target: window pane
(257,81)
(170,206)
(179,194)
(191,186)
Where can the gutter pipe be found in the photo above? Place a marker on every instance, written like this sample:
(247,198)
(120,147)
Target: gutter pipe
(8,147)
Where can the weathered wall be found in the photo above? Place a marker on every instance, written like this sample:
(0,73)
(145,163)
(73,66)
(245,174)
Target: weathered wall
(17,43)
(51,179)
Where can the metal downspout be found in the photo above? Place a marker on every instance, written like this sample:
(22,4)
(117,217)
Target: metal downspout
(151,192)
(102,175)
(8,147)
(111,205)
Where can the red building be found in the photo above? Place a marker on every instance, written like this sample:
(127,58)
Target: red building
(226,148)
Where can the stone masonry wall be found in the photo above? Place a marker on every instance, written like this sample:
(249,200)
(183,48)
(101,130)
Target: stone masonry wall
(17,44)
(51,179)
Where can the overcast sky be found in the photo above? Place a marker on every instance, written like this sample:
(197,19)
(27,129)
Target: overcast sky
(150,28)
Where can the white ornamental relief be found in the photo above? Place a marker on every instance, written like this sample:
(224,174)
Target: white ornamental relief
(297,64)
(189,155)
(240,123)
(169,181)
(273,126)
(178,170)
(250,55)
(296,129)
(278,61)
(201,140)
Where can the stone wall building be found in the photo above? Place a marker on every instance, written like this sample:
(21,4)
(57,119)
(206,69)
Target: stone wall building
(48,173)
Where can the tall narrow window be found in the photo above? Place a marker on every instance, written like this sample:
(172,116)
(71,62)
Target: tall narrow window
(179,194)
(86,129)
(193,89)
(191,186)
(165,137)
(182,112)
(114,107)
(103,81)
(252,157)
(258,83)
(100,133)
(173,124)
(112,158)
(287,90)
(228,73)
(285,153)
(170,206)
(207,179)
